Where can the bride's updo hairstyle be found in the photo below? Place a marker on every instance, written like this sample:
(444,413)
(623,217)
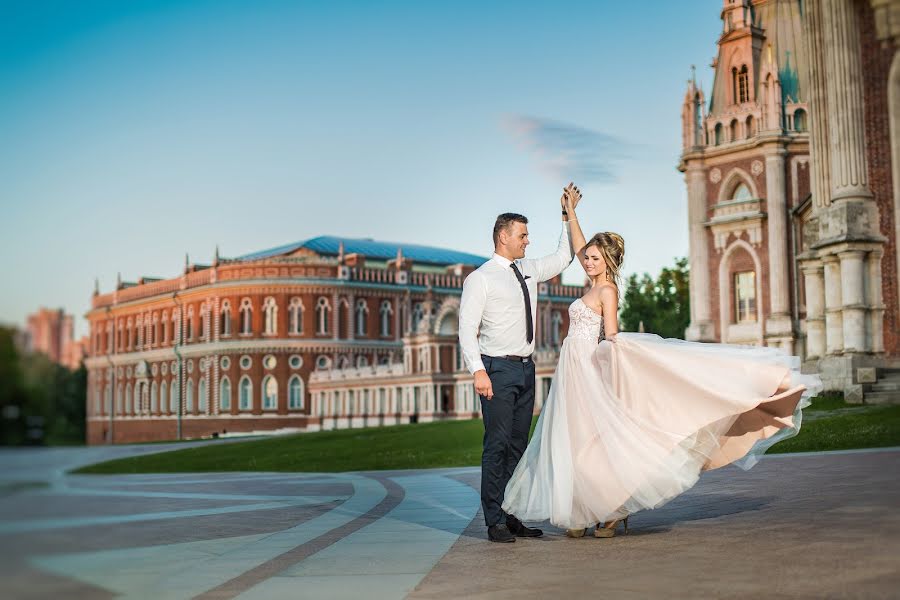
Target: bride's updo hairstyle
(612,249)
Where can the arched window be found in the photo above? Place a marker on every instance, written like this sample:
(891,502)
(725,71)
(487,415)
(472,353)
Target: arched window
(189,397)
(139,332)
(362,312)
(386,311)
(107,398)
(204,321)
(201,396)
(154,333)
(745,297)
(743,85)
(749,126)
(799,120)
(189,326)
(246,317)
(128,398)
(118,401)
(362,361)
(225,319)
(718,134)
(295,317)
(322,313)
(322,363)
(270,313)
(129,328)
(165,327)
(163,387)
(269,393)
(174,397)
(733,131)
(295,393)
(154,399)
(741,192)
(225,394)
(245,401)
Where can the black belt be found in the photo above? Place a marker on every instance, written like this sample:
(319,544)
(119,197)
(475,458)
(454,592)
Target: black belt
(522,359)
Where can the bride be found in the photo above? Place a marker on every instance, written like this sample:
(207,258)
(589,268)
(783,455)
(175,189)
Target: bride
(632,419)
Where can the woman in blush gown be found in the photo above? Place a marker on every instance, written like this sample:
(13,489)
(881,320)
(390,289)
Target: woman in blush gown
(632,419)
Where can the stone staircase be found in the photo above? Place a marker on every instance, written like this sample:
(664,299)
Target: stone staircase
(886,389)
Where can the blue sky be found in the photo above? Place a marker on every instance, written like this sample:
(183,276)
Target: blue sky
(135,132)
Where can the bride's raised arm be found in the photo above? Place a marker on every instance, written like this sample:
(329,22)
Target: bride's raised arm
(569,202)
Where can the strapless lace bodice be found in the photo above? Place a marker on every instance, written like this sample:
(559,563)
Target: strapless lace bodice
(584,322)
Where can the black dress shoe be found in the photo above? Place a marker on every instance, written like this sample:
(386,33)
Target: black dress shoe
(500,533)
(519,530)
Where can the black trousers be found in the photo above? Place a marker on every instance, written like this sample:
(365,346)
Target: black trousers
(507,421)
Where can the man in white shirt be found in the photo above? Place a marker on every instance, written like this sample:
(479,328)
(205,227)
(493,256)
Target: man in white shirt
(496,332)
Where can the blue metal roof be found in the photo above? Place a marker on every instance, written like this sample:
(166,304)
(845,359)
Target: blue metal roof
(329,245)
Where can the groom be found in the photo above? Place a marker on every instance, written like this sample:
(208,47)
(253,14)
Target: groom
(496,332)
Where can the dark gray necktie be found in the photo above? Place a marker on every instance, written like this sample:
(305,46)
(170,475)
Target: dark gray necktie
(529,326)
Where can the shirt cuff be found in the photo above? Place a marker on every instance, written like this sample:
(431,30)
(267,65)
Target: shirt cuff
(476,366)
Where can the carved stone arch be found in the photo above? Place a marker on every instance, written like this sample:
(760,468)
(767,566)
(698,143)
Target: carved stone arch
(725,287)
(448,309)
(735,177)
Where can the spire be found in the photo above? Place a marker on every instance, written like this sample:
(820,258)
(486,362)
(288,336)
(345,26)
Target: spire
(119,280)
(341,252)
(216,256)
(96,286)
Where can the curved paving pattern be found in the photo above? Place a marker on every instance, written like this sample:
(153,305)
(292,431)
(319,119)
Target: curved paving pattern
(817,525)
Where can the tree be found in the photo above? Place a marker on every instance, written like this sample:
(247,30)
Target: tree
(662,305)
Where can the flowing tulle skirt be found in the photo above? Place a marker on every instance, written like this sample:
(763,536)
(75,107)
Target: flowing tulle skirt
(629,424)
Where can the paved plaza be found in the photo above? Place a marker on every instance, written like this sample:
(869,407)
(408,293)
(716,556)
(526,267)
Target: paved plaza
(799,526)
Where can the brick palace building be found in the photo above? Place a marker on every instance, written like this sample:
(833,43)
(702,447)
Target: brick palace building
(322,334)
(52,332)
(792,171)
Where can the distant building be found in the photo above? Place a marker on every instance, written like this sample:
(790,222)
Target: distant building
(51,332)
(321,334)
(792,169)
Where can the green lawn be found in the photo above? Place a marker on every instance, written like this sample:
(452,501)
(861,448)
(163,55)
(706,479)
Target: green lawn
(829,424)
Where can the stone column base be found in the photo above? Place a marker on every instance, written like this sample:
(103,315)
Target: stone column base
(701,331)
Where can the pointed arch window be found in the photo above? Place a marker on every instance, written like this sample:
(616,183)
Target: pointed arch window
(362,314)
(745,297)
(323,310)
(295,393)
(163,388)
(128,398)
(204,322)
(189,397)
(246,317)
(295,317)
(743,85)
(201,396)
(270,313)
(174,398)
(225,394)
(417,314)
(189,334)
(225,319)
(165,327)
(269,393)
(245,401)
(386,312)
(741,192)
(154,399)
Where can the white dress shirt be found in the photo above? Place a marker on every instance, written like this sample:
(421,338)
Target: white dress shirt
(492,308)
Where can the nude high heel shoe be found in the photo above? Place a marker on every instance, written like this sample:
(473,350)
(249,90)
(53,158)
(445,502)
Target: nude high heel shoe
(604,531)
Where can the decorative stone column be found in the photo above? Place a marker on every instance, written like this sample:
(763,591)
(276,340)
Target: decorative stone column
(853,318)
(813,277)
(834,329)
(779,328)
(844,92)
(819,154)
(701,327)
(875,341)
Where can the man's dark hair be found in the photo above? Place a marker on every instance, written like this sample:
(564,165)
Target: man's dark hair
(504,221)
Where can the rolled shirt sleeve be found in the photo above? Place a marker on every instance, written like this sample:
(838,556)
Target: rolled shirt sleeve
(471,308)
